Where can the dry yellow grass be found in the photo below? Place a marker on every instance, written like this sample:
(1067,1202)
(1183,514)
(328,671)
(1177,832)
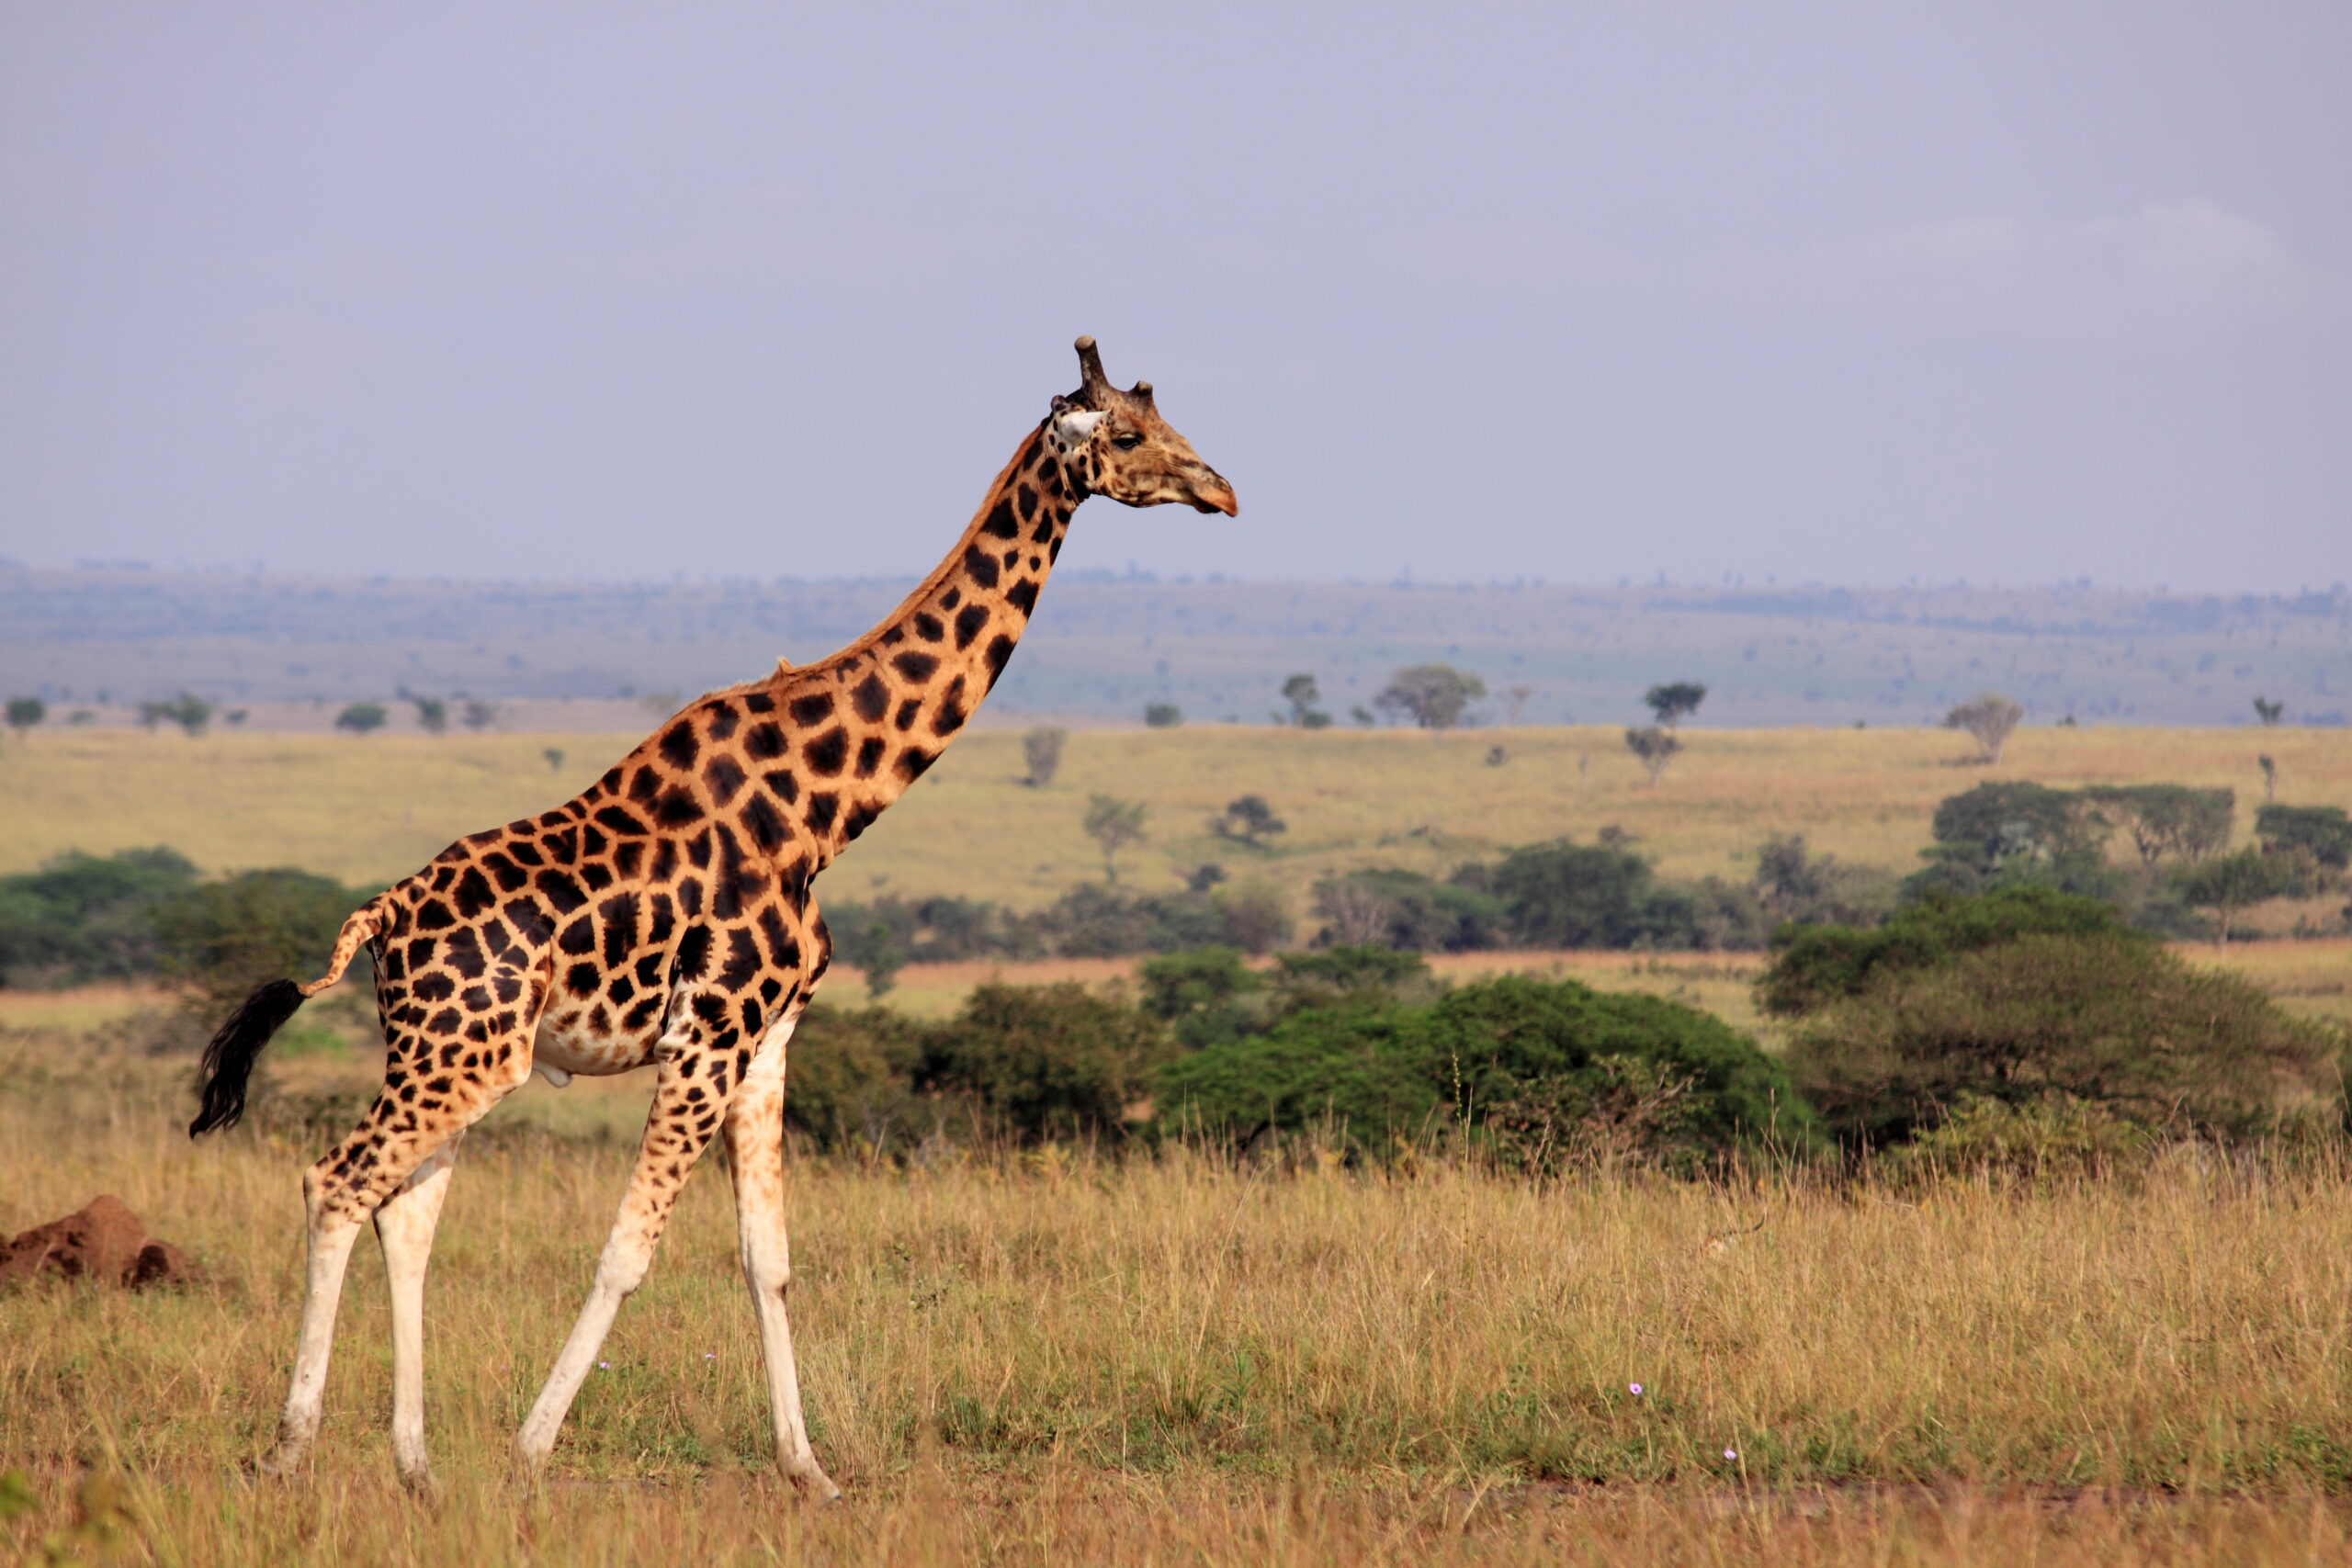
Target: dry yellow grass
(372,809)
(1053,1359)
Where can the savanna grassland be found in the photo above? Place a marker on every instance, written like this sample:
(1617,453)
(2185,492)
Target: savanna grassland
(369,809)
(1180,1358)
(1179,1355)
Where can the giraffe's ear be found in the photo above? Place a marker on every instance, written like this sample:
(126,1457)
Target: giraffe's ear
(1072,427)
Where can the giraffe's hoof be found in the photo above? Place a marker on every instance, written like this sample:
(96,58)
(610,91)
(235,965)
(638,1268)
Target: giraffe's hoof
(280,1464)
(418,1482)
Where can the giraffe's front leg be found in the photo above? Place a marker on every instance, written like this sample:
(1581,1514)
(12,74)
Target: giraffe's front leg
(756,1157)
(687,1104)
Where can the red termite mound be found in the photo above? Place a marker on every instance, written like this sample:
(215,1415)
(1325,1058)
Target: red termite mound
(104,1242)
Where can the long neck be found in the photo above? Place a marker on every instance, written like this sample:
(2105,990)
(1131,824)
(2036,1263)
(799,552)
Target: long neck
(867,722)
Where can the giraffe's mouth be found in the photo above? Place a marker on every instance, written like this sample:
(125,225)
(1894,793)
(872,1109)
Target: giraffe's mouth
(1211,493)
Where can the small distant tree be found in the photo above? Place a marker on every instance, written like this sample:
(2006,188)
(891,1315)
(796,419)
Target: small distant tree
(1673,703)
(25,712)
(1655,747)
(477,714)
(1431,696)
(1363,715)
(1247,821)
(1301,693)
(1515,701)
(1041,749)
(2268,712)
(431,714)
(553,757)
(2228,885)
(1113,824)
(235,717)
(1989,719)
(359,718)
(2269,766)
(881,957)
(1162,715)
(187,710)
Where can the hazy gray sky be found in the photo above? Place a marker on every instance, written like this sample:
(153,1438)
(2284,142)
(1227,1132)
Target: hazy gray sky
(2002,291)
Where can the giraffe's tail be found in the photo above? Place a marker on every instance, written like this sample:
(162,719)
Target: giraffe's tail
(229,1060)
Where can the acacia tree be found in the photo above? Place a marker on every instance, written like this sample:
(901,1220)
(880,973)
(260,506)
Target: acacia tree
(361,717)
(1674,703)
(1656,746)
(1988,718)
(1301,693)
(2268,712)
(1431,696)
(2169,820)
(1113,824)
(25,712)
(1246,820)
(187,710)
(2228,884)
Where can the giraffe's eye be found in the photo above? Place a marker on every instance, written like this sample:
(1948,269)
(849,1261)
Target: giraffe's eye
(1126,442)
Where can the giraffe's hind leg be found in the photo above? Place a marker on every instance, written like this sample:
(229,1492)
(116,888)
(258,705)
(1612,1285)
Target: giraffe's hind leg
(404,1224)
(409,1124)
(755,1158)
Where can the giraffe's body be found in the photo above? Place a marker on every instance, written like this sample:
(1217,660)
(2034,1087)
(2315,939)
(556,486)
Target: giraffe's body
(664,917)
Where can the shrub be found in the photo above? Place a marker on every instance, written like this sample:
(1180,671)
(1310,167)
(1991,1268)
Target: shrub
(81,918)
(223,938)
(1206,997)
(2109,1018)
(1793,884)
(1041,748)
(358,719)
(1044,1062)
(1162,715)
(1255,915)
(1546,1071)
(1813,966)
(2054,1137)
(2323,834)
(1389,907)
(851,1082)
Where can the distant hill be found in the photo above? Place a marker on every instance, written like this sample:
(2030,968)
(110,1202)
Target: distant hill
(1103,646)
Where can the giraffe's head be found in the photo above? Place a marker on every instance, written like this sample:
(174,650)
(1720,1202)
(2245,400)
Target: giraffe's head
(1126,450)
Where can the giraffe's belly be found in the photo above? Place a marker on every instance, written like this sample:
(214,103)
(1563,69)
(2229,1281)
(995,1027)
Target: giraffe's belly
(573,1043)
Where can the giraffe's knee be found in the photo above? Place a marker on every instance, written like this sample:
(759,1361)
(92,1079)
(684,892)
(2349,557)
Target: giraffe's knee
(623,1266)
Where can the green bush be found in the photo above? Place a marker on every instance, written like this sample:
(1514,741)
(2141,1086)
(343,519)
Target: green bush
(2321,835)
(1813,966)
(1388,906)
(1546,1072)
(848,1082)
(2054,1137)
(1206,996)
(81,918)
(2107,1018)
(1044,1062)
(223,938)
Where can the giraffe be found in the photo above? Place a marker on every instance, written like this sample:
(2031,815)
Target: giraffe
(662,918)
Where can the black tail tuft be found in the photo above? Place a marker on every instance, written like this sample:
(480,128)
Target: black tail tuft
(229,1060)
